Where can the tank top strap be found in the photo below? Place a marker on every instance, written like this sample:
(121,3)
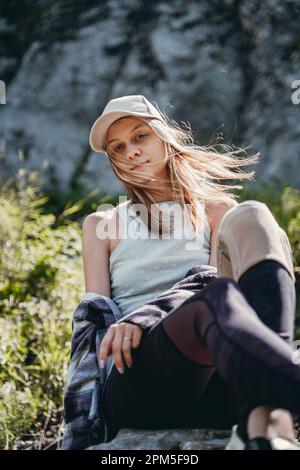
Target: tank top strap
(131,227)
(123,211)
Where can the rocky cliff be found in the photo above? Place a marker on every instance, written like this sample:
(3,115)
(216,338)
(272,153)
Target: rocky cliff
(220,66)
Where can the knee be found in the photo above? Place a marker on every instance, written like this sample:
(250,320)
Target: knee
(247,214)
(222,297)
(251,205)
(219,288)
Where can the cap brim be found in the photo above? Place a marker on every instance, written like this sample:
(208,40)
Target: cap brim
(101,125)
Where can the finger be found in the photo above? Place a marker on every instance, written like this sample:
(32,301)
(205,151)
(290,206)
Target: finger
(127,344)
(135,333)
(136,336)
(117,347)
(106,344)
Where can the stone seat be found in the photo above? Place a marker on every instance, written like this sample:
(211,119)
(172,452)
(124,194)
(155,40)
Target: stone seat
(167,439)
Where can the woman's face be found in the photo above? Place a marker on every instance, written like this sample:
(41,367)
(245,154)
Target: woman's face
(140,147)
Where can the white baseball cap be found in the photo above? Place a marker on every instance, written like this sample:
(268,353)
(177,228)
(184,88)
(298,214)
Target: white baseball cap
(132,105)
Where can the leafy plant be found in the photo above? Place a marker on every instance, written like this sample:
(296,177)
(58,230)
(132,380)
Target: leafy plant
(41,282)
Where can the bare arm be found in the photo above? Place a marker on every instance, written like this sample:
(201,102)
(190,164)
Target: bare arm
(215,213)
(95,253)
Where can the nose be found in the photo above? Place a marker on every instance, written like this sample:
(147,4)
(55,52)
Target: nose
(133,152)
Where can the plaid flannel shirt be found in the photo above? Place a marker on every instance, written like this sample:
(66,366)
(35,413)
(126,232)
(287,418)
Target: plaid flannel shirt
(83,421)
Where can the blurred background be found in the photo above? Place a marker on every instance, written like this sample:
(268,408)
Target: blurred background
(225,67)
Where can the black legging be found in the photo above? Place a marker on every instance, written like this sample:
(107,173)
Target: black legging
(227,347)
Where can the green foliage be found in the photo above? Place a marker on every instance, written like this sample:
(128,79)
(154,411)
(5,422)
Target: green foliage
(41,281)
(75,203)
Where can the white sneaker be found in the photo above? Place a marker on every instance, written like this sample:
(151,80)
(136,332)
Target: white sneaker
(235,441)
(277,443)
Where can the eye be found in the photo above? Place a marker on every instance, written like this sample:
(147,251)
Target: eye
(117,148)
(141,135)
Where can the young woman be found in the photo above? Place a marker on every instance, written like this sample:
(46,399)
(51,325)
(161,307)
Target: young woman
(232,344)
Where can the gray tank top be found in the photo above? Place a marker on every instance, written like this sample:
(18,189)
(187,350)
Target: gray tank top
(142,268)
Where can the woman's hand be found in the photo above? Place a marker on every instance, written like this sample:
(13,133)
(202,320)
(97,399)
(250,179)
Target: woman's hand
(120,338)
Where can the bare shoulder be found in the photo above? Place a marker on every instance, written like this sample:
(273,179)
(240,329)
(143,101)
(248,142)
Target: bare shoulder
(95,217)
(99,219)
(216,210)
(95,251)
(95,234)
(107,226)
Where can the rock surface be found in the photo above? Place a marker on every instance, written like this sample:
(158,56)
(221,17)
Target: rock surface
(225,67)
(169,439)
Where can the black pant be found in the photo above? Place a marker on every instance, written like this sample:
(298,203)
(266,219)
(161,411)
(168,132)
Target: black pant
(226,346)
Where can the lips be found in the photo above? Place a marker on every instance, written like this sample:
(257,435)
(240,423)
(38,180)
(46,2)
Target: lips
(140,164)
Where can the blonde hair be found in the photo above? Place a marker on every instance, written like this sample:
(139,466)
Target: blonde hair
(194,171)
